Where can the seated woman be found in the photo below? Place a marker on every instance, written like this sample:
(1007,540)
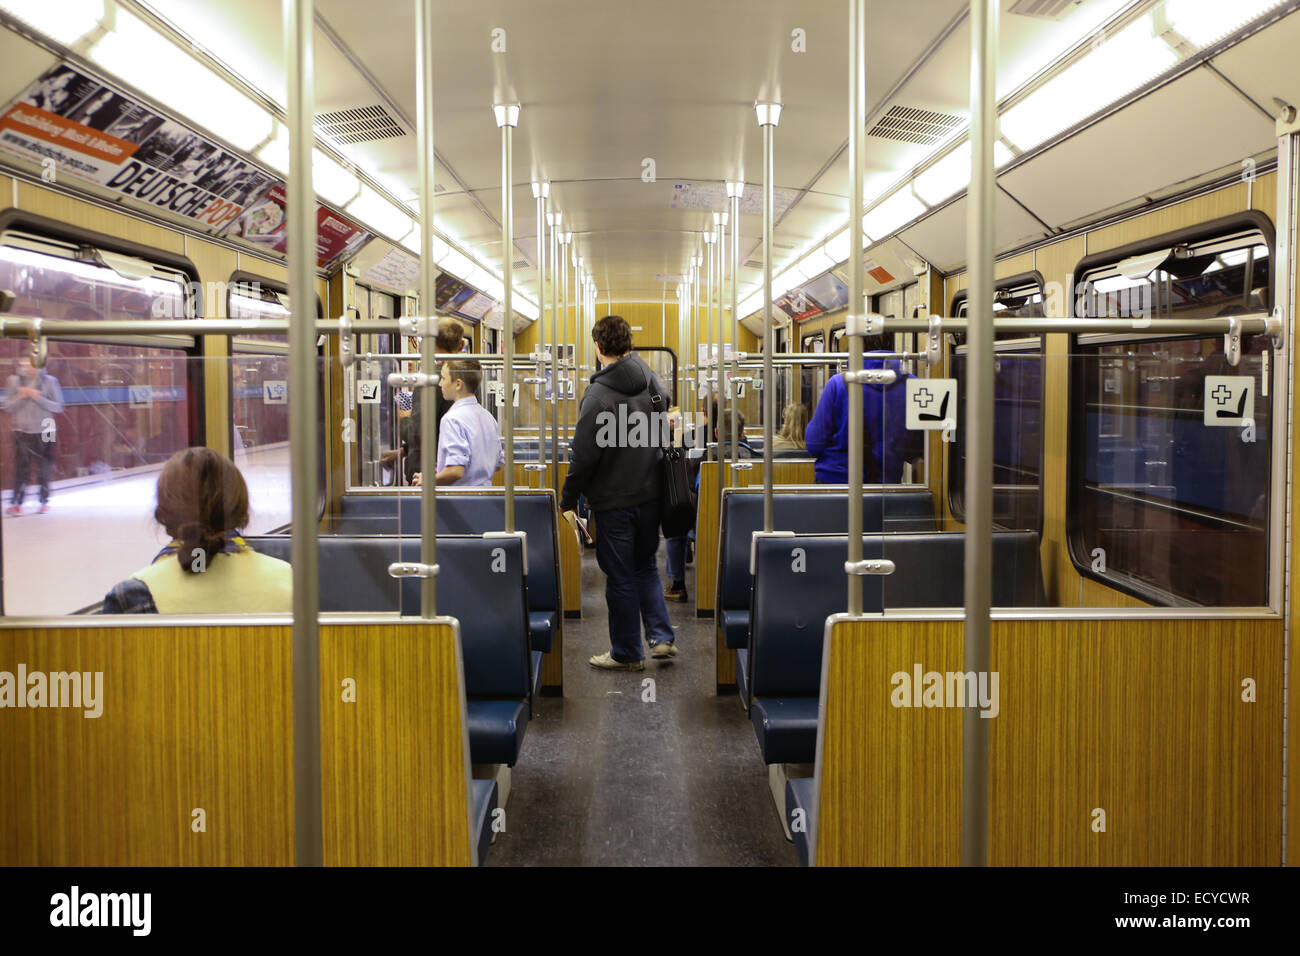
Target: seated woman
(207,568)
(790,438)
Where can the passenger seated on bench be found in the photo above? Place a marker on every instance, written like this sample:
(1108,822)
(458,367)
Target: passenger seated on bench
(793,425)
(207,568)
(469,441)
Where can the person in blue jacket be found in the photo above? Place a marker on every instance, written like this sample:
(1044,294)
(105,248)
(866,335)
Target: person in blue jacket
(885,420)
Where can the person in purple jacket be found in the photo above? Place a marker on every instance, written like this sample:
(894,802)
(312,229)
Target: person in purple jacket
(885,421)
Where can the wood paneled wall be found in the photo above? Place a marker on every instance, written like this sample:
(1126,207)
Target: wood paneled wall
(1142,719)
(200,718)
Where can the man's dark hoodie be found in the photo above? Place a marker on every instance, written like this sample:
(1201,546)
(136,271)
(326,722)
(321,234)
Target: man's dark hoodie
(617,476)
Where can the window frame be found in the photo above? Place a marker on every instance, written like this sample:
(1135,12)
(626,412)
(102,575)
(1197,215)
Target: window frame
(1076,439)
(1025,344)
(277,348)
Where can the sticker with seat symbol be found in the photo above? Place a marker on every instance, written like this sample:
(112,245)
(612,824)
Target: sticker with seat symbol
(1229,400)
(368,391)
(275,393)
(931,403)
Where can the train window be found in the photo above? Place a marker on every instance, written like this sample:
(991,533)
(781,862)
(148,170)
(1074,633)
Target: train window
(1017,410)
(128,405)
(1161,506)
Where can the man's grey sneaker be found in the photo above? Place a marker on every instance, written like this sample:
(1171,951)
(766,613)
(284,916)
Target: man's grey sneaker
(606,662)
(663,650)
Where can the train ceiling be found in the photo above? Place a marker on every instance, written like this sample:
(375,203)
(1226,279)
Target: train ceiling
(605,87)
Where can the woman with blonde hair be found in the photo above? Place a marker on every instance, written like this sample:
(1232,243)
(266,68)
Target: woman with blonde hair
(793,425)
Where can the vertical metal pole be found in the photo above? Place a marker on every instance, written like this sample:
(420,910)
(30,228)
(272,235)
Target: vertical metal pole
(719,234)
(508,322)
(735,323)
(560,319)
(428,396)
(557,252)
(979,417)
(769,338)
(856,268)
(303,455)
(707,338)
(695,348)
(541,191)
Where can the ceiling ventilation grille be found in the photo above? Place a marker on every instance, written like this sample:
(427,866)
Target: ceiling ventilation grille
(754,264)
(523,264)
(1043,9)
(362,125)
(912,125)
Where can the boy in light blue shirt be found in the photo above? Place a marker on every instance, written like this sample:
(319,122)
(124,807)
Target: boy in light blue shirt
(469,441)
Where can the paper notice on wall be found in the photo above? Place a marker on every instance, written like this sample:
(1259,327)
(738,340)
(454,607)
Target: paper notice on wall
(878,272)
(397,270)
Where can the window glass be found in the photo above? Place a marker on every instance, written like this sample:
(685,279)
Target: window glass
(259,375)
(127,406)
(1176,507)
(1017,410)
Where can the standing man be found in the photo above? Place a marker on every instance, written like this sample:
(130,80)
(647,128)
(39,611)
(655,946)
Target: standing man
(616,461)
(469,439)
(32,397)
(451,334)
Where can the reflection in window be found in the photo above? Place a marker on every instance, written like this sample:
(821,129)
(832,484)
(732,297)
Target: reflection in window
(1017,409)
(259,374)
(1179,509)
(127,406)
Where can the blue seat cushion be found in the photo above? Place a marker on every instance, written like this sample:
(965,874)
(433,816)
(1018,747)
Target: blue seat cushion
(786,728)
(484,793)
(799,795)
(541,629)
(742,675)
(537,673)
(735,628)
(496,730)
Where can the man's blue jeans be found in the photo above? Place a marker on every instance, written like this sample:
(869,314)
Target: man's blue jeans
(627,540)
(675,561)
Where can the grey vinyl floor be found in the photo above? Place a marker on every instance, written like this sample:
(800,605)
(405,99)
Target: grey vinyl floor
(607,777)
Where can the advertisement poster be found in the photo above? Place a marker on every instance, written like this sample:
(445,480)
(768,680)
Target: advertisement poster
(798,306)
(71,122)
(68,121)
(264,223)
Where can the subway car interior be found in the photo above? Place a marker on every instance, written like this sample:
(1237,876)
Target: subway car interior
(1020,259)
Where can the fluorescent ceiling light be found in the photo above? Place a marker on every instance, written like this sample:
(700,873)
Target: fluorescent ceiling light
(525,307)
(951,174)
(141,57)
(1205,22)
(379,214)
(898,210)
(332,181)
(837,247)
(275,154)
(455,263)
(64,21)
(1116,284)
(1120,65)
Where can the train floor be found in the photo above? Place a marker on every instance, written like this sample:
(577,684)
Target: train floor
(609,777)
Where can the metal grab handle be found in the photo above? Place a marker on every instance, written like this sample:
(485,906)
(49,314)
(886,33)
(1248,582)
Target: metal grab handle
(869,566)
(412,569)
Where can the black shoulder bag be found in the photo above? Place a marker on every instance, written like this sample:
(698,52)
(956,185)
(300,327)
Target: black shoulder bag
(677,500)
